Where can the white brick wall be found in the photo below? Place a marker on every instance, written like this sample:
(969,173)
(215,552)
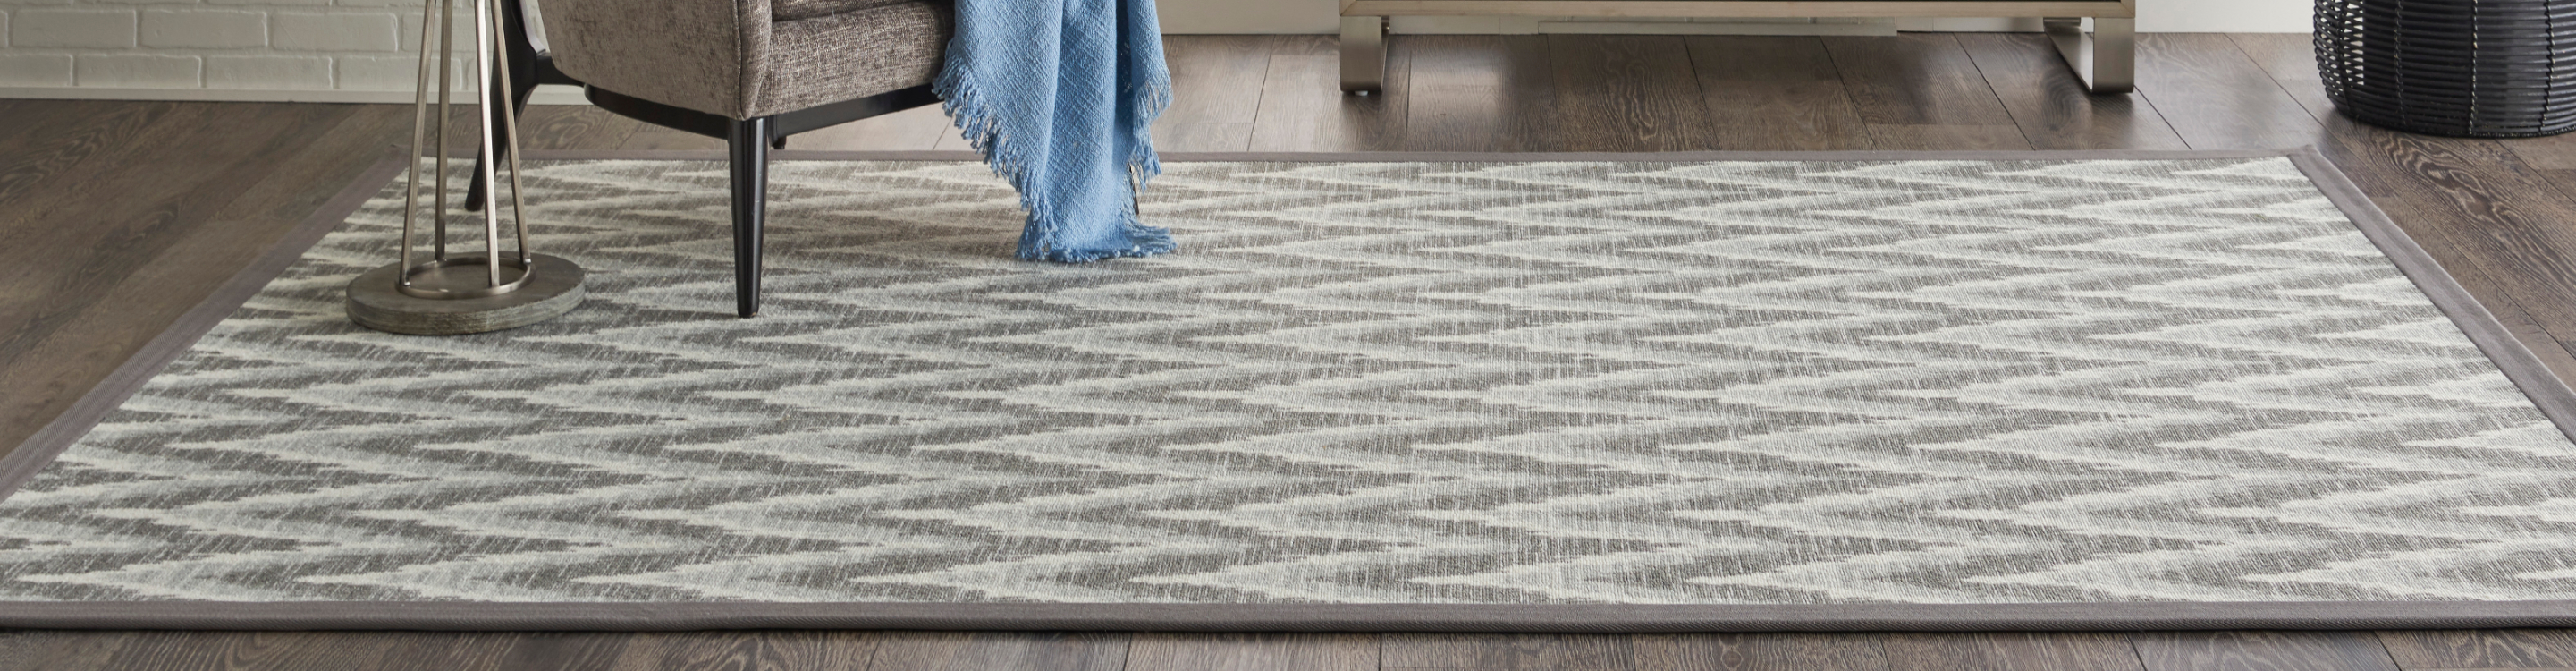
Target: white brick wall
(353,50)
(204,29)
(268,72)
(138,71)
(36,70)
(341,32)
(79,28)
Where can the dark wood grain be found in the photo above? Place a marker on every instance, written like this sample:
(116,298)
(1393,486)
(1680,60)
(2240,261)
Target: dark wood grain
(2474,204)
(1211,110)
(1200,136)
(2290,60)
(916,129)
(1915,79)
(1922,91)
(1480,93)
(953,139)
(127,200)
(2460,234)
(58,349)
(454,651)
(295,187)
(2285,57)
(77,130)
(1498,652)
(2261,651)
(1627,93)
(71,650)
(699,651)
(107,147)
(1303,107)
(158,179)
(2436,227)
(912,651)
(814,650)
(1947,137)
(2477,197)
(1253,652)
(2482,649)
(2556,152)
(729,651)
(2053,109)
(1774,94)
(575,651)
(19,650)
(225,651)
(2216,97)
(657,138)
(573,127)
(2012,651)
(1762,652)
(67,250)
(463,136)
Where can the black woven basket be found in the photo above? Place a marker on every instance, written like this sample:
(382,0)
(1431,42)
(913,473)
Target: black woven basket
(2469,68)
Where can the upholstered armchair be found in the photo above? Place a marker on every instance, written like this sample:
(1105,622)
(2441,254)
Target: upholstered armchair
(751,72)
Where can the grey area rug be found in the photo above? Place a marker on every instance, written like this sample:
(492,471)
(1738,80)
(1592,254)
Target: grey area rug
(1419,392)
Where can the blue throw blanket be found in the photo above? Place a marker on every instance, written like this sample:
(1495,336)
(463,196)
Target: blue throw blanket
(1060,96)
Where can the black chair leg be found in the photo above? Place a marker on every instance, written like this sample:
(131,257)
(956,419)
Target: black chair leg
(749,145)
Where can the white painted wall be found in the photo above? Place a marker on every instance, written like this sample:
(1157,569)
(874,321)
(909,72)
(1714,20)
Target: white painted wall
(1222,17)
(352,50)
(1243,17)
(365,50)
(2225,16)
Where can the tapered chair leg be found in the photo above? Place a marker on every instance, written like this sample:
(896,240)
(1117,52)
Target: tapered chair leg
(749,145)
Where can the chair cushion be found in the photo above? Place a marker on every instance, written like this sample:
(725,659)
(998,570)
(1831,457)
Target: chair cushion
(852,54)
(794,10)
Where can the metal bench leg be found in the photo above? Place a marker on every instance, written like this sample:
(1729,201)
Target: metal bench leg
(2105,60)
(1363,54)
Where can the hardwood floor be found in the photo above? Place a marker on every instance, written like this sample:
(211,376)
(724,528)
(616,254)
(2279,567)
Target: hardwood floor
(115,217)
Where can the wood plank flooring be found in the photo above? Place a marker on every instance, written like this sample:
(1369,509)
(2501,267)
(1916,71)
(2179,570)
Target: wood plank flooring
(117,216)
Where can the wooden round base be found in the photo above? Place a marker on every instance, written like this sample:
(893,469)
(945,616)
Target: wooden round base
(375,303)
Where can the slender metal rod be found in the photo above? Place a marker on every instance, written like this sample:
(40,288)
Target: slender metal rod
(510,134)
(483,57)
(446,80)
(419,127)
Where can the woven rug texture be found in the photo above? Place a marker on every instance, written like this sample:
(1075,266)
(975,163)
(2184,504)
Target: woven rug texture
(1712,382)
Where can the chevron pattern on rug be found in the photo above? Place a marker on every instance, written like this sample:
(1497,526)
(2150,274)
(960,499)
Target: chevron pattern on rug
(1755,382)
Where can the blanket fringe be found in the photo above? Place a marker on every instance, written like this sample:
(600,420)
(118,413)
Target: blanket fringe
(973,114)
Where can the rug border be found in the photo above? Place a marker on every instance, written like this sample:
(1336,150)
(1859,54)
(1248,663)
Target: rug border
(2550,394)
(1391,617)
(23,462)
